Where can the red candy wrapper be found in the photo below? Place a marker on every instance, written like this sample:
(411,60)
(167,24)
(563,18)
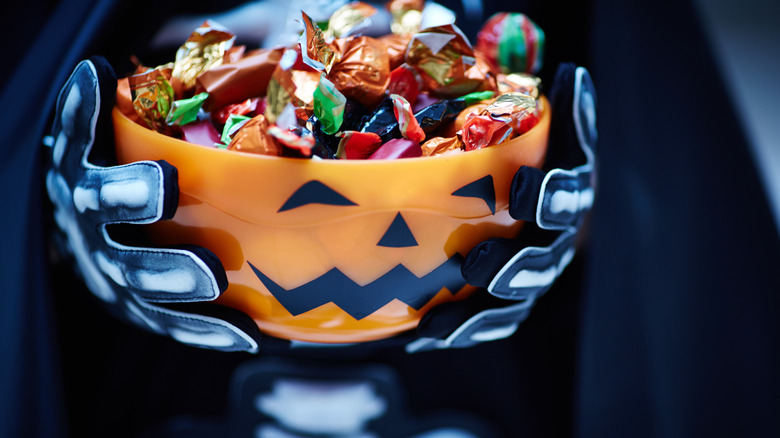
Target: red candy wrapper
(201,132)
(407,123)
(302,144)
(249,107)
(397,148)
(405,82)
(482,131)
(356,145)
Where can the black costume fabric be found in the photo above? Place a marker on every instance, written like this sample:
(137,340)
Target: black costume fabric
(664,325)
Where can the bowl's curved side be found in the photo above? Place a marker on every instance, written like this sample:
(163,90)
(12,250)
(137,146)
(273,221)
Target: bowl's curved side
(326,273)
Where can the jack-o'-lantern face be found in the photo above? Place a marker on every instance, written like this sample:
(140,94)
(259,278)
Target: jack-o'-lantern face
(334,250)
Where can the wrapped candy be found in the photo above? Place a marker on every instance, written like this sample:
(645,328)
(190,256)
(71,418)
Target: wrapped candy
(407,15)
(290,85)
(317,54)
(233,124)
(253,137)
(439,114)
(328,144)
(241,80)
(383,121)
(519,83)
(456,125)
(204,49)
(397,148)
(482,131)
(507,116)
(395,46)
(302,144)
(350,19)
(512,43)
(405,81)
(446,62)
(152,97)
(329,106)
(200,132)
(407,123)
(337,94)
(518,110)
(441,146)
(249,107)
(357,145)
(185,110)
(362,71)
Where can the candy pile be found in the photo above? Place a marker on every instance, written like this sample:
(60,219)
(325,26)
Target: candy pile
(339,94)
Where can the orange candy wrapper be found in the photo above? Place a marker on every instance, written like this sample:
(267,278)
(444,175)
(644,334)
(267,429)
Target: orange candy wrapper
(254,137)
(363,69)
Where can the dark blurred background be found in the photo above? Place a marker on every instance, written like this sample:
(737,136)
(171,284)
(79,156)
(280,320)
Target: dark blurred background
(665,325)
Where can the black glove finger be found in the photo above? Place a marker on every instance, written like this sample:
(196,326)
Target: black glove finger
(163,275)
(487,325)
(86,96)
(213,327)
(141,192)
(532,271)
(484,261)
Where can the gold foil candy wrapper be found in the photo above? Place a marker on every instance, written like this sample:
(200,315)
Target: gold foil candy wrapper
(152,97)
(519,111)
(349,19)
(511,106)
(237,81)
(407,15)
(253,137)
(316,52)
(442,146)
(446,62)
(204,49)
(363,71)
(519,83)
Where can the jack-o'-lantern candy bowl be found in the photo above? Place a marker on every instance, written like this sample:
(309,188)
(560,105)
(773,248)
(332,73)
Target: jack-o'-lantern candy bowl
(337,251)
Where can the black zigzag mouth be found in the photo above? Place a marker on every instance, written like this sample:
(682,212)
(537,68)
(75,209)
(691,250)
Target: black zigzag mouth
(361,301)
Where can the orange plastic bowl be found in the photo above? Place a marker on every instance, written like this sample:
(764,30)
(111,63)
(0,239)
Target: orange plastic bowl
(337,251)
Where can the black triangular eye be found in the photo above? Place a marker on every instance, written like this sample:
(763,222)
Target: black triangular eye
(482,189)
(314,192)
(398,234)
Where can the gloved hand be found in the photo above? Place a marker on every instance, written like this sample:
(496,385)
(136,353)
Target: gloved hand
(553,201)
(155,288)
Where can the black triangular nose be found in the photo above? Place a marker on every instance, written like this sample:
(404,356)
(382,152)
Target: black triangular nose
(398,235)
